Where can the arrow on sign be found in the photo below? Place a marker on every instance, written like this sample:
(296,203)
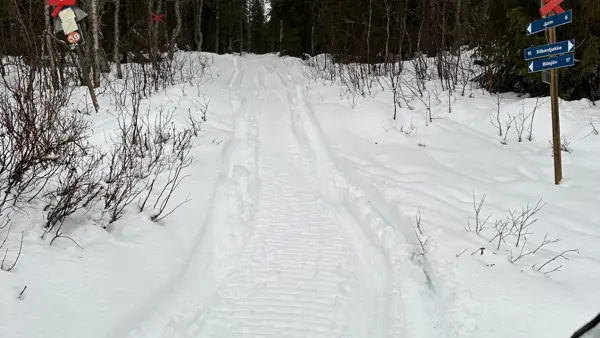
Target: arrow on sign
(549,50)
(565,60)
(550,22)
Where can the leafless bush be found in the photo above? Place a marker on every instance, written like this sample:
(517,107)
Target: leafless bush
(174,178)
(4,265)
(517,227)
(523,118)
(520,123)
(45,156)
(502,231)
(421,70)
(122,182)
(480,222)
(522,254)
(530,128)
(447,68)
(420,95)
(393,81)
(422,238)
(508,124)
(357,79)
(565,145)
(522,220)
(36,135)
(78,187)
(148,146)
(148,149)
(408,129)
(495,120)
(465,67)
(557,268)
(594,130)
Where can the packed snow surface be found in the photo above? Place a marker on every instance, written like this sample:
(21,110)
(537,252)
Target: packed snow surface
(313,213)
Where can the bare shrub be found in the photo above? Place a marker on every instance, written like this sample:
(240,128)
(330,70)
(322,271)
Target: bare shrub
(557,268)
(147,150)
(520,123)
(480,222)
(122,182)
(422,238)
(36,135)
(593,126)
(513,231)
(546,241)
(565,145)
(594,130)
(530,128)
(8,266)
(508,124)
(522,220)
(78,187)
(408,129)
(495,120)
(521,120)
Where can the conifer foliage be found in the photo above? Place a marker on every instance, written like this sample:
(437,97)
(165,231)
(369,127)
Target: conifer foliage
(368,31)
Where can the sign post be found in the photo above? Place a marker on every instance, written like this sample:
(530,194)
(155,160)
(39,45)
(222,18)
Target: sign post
(66,16)
(556,55)
(558,174)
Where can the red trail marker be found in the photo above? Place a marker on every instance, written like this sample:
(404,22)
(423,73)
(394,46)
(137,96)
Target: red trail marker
(60,4)
(551,5)
(158,18)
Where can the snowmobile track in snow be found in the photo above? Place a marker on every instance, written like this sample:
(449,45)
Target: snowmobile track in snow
(300,272)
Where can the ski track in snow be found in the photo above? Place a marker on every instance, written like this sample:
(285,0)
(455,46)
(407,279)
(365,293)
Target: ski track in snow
(304,270)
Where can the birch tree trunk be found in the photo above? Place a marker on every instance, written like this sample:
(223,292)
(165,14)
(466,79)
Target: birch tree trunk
(457,23)
(218,23)
(51,59)
(96,42)
(312,35)
(176,30)
(280,36)
(369,31)
(387,32)
(116,51)
(149,12)
(156,28)
(241,34)
(198,26)
(248,21)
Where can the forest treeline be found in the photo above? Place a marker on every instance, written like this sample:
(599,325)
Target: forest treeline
(366,31)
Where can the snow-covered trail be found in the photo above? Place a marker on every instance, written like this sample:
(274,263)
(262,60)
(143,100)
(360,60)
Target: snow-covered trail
(300,273)
(304,269)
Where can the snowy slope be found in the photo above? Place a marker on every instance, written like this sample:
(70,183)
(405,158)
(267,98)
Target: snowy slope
(306,215)
(433,171)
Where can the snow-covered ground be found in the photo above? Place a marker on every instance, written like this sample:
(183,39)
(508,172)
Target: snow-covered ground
(313,214)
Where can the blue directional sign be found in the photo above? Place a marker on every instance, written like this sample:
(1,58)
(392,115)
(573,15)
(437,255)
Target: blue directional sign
(549,22)
(565,60)
(562,47)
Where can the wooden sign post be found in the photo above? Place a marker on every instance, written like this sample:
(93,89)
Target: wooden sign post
(561,56)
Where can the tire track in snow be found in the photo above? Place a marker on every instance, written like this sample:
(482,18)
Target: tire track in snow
(414,308)
(224,232)
(299,275)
